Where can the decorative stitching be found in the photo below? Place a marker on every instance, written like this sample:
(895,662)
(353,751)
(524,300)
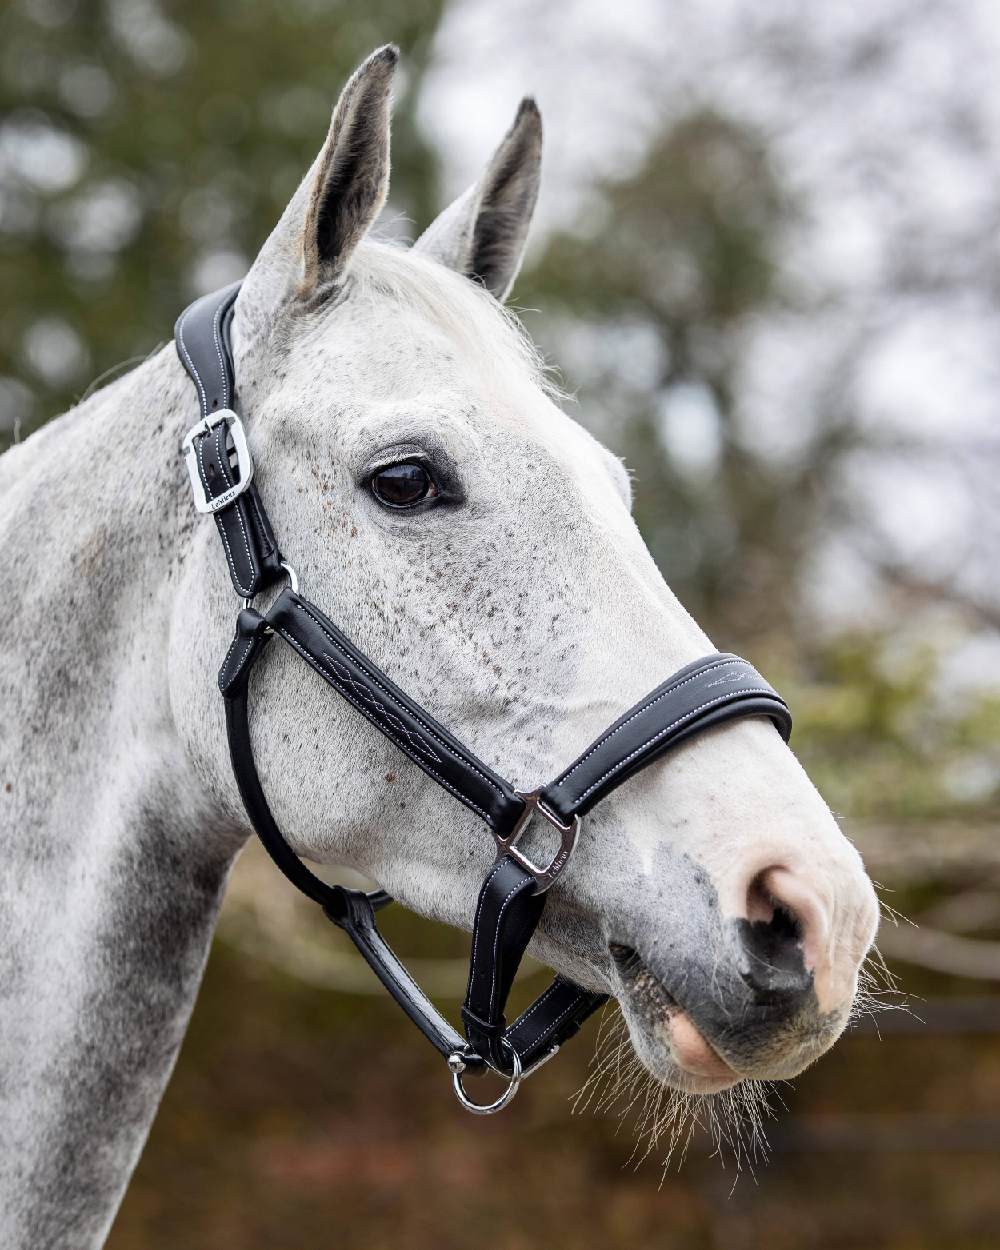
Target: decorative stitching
(640,710)
(686,717)
(314,663)
(388,957)
(371,677)
(265,543)
(556,1023)
(218,349)
(344,673)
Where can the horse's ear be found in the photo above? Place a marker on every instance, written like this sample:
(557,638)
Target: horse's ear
(350,180)
(483,234)
(336,203)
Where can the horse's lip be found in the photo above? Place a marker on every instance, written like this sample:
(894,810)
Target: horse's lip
(662,1006)
(636,974)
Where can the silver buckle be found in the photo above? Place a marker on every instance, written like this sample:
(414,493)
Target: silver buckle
(244,463)
(544,877)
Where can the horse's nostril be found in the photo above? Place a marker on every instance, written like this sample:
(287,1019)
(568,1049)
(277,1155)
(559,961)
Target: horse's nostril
(772,937)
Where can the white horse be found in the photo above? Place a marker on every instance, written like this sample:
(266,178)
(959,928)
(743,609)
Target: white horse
(516,598)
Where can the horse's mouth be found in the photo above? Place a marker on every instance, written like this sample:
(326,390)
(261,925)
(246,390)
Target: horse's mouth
(675,1049)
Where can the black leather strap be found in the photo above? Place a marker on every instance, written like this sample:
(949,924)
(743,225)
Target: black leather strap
(202,338)
(507,914)
(709,692)
(351,910)
(412,728)
(552,1019)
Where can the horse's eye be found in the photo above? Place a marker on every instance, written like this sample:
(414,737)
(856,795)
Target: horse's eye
(403,485)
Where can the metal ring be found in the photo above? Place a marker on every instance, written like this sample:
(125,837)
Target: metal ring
(491,1108)
(293,583)
(293,580)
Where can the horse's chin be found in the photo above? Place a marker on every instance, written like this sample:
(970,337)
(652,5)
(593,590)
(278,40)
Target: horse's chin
(665,1039)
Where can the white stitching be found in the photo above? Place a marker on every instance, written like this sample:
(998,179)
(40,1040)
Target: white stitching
(223,458)
(240,662)
(265,541)
(496,942)
(555,1023)
(321,669)
(218,521)
(371,676)
(640,710)
(187,357)
(218,348)
(364,693)
(475,924)
(533,1008)
(687,716)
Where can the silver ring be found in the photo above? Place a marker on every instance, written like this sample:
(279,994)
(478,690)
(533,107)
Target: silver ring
(491,1108)
(293,582)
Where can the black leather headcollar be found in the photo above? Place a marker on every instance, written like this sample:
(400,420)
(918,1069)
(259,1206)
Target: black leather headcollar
(709,692)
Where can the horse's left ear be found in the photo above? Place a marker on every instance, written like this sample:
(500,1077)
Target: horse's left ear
(484,232)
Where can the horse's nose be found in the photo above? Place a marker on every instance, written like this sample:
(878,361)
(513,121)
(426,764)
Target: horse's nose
(784,939)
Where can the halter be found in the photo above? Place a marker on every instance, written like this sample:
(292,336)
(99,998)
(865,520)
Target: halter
(709,692)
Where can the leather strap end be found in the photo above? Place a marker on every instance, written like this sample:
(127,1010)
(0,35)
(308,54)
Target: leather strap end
(250,640)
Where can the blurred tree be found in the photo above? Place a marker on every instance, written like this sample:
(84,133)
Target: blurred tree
(647,302)
(655,288)
(146,152)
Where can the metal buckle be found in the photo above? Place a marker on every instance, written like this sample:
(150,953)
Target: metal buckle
(544,877)
(244,462)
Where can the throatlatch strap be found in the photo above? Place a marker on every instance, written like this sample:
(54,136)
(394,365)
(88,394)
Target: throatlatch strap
(351,910)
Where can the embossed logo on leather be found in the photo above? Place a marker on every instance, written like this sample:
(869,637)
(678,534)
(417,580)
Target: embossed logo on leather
(728,679)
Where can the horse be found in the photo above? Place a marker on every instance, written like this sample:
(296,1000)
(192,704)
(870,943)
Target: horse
(479,544)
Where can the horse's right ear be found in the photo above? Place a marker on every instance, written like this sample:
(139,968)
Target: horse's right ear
(331,212)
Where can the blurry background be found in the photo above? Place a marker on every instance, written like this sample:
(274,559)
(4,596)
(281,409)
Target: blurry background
(767,264)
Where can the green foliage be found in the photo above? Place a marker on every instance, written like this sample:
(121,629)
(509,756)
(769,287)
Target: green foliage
(153,155)
(885,743)
(683,250)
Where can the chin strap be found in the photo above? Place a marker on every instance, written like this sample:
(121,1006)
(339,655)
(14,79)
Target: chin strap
(712,691)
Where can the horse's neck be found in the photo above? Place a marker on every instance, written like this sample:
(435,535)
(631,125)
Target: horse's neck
(111,878)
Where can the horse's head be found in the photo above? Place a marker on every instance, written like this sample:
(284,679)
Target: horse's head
(478,544)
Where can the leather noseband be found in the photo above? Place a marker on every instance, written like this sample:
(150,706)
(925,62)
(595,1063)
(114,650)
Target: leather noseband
(709,692)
